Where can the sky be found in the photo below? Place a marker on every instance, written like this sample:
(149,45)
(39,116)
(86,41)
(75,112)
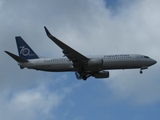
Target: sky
(91,27)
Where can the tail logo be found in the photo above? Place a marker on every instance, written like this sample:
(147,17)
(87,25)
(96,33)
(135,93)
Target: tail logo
(24,51)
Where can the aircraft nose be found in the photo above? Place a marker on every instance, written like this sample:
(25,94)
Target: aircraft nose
(154,62)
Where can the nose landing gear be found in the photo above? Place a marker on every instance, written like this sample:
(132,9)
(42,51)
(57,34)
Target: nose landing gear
(142,68)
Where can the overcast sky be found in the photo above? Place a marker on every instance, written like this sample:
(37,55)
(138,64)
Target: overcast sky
(91,27)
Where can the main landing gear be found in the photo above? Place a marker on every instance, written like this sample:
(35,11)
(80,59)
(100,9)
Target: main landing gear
(84,77)
(82,73)
(81,76)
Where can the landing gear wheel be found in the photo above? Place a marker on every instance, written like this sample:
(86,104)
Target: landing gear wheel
(141,71)
(84,78)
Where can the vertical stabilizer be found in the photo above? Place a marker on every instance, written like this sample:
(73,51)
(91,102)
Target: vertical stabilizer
(24,50)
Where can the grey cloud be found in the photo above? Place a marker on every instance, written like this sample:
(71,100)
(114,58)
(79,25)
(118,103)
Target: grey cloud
(139,34)
(36,102)
(134,29)
(137,89)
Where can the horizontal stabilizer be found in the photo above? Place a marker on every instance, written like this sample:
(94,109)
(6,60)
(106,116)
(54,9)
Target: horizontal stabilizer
(15,57)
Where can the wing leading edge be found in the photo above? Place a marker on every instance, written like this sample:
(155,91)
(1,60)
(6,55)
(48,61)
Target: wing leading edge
(77,58)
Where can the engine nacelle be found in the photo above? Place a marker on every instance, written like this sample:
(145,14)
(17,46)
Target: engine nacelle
(101,74)
(96,63)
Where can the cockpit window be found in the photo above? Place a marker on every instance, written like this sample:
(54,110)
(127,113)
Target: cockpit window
(146,57)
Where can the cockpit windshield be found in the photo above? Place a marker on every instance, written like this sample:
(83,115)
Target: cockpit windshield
(146,57)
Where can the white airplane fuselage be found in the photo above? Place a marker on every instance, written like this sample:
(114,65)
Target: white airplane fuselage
(109,62)
(83,66)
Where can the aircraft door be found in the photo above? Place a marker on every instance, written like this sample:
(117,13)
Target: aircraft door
(137,61)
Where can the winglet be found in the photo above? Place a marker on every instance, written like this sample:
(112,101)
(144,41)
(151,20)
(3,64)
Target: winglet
(50,35)
(47,32)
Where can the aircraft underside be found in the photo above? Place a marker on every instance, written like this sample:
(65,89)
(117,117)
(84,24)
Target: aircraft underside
(85,72)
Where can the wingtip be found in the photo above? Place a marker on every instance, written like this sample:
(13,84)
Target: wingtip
(47,32)
(6,52)
(15,57)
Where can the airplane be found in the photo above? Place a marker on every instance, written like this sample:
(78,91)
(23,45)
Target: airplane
(73,61)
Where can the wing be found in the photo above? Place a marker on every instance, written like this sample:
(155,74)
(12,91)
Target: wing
(77,58)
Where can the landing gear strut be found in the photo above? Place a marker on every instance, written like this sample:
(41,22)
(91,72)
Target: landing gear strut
(142,68)
(83,73)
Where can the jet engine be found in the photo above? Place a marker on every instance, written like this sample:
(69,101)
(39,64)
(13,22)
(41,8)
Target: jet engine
(95,63)
(101,74)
